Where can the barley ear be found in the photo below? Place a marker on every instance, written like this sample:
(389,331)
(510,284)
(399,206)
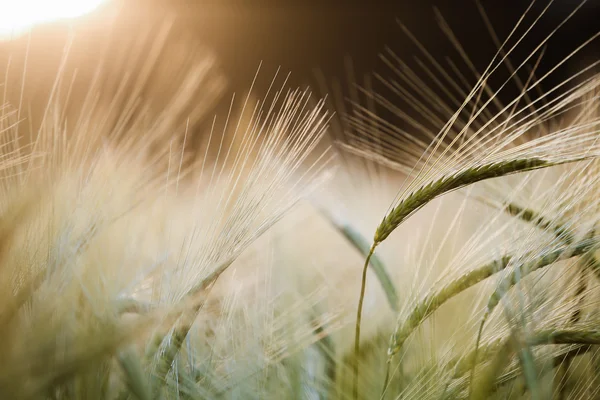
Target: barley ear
(445,184)
(580,249)
(424,195)
(531,216)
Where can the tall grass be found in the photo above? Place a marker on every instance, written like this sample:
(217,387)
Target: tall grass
(143,260)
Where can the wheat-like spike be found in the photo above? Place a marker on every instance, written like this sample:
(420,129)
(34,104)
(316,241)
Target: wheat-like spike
(564,336)
(422,196)
(529,215)
(572,337)
(512,279)
(425,194)
(520,272)
(130,305)
(562,233)
(279,154)
(464,363)
(202,343)
(504,348)
(469,147)
(433,301)
(275,180)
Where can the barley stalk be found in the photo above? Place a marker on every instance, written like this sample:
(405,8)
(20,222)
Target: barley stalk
(169,352)
(134,375)
(582,249)
(562,233)
(528,215)
(464,363)
(528,365)
(432,302)
(573,350)
(448,183)
(379,268)
(544,337)
(358,322)
(516,342)
(429,192)
(499,362)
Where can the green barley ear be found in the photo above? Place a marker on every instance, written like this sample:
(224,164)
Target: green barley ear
(427,193)
(474,144)
(419,198)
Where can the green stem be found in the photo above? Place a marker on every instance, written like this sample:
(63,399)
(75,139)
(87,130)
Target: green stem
(359,319)
(376,264)
(363,246)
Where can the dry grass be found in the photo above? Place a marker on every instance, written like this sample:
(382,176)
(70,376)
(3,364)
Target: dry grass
(136,265)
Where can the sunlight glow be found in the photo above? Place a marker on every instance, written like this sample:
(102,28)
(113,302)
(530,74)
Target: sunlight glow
(18,16)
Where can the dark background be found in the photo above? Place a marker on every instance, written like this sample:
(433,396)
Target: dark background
(312,38)
(302,36)
(316,38)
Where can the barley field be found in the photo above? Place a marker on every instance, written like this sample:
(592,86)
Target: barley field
(428,230)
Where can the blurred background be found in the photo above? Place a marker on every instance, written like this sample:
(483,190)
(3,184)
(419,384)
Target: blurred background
(303,36)
(317,41)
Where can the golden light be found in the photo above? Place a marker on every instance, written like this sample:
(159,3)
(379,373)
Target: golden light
(18,16)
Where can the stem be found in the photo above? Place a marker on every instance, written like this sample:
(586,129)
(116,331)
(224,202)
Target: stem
(358,320)
(387,378)
(377,265)
(363,246)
